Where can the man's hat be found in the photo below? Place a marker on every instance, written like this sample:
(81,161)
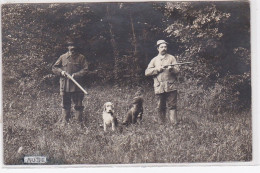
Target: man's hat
(71,43)
(161,42)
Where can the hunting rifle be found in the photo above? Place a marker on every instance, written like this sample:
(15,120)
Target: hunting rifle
(75,82)
(181,63)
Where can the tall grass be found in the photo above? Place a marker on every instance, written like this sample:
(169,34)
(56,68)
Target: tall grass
(201,136)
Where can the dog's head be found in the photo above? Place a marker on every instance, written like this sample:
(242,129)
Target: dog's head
(109,107)
(138,100)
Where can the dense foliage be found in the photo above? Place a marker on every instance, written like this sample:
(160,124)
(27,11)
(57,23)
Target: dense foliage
(118,39)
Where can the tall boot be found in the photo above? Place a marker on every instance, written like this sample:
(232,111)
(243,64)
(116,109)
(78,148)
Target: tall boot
(162,107)
(173,116)
(162,115)
(79,116)
(66,115)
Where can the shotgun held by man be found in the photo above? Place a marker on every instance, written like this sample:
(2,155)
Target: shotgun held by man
(76,83)
(181,63)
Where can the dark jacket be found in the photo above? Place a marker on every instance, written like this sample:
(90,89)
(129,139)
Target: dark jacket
(73,64)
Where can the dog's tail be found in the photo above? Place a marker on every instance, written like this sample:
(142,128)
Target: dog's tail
(119,125)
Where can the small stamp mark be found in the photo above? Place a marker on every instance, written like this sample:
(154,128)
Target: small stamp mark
(35,159)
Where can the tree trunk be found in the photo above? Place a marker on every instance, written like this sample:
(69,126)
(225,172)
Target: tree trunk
(145,52)
(134,42)
(116,70)
(136,73)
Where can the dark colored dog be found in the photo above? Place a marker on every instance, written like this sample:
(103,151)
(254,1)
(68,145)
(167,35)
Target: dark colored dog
(135,112)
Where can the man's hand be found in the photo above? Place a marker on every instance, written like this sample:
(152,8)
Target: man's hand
(171,68)
(174,69)
(63,73)
(160,69)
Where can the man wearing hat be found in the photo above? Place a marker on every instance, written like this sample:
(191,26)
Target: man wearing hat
(76,65)
(164,81)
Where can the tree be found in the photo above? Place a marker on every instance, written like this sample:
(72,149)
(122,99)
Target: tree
(119,39)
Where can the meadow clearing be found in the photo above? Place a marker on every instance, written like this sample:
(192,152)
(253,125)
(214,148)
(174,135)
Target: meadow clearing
(31,127)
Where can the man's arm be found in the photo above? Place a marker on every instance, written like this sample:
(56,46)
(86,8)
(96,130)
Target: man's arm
(152,70)
(56,68)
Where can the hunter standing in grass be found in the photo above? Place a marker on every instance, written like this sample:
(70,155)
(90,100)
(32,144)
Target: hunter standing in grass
(76,65)
(164,78)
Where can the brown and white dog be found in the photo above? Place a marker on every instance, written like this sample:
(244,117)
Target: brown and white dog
(108,116)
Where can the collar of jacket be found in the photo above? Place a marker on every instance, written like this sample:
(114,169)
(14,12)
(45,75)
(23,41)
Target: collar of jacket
(161,57)
(70,55)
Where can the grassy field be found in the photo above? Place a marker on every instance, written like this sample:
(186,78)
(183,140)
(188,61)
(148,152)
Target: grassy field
(30,127)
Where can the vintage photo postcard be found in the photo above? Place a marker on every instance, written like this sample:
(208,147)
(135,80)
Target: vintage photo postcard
(126,83)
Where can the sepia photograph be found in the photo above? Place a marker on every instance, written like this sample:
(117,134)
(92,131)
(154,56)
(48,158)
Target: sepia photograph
(126,83)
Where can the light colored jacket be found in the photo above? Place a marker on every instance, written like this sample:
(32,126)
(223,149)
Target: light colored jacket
(163,81)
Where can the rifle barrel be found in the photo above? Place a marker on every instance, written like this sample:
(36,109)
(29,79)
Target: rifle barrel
(181,63)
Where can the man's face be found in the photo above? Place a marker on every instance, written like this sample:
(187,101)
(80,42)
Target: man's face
(71,48)
(162,49)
